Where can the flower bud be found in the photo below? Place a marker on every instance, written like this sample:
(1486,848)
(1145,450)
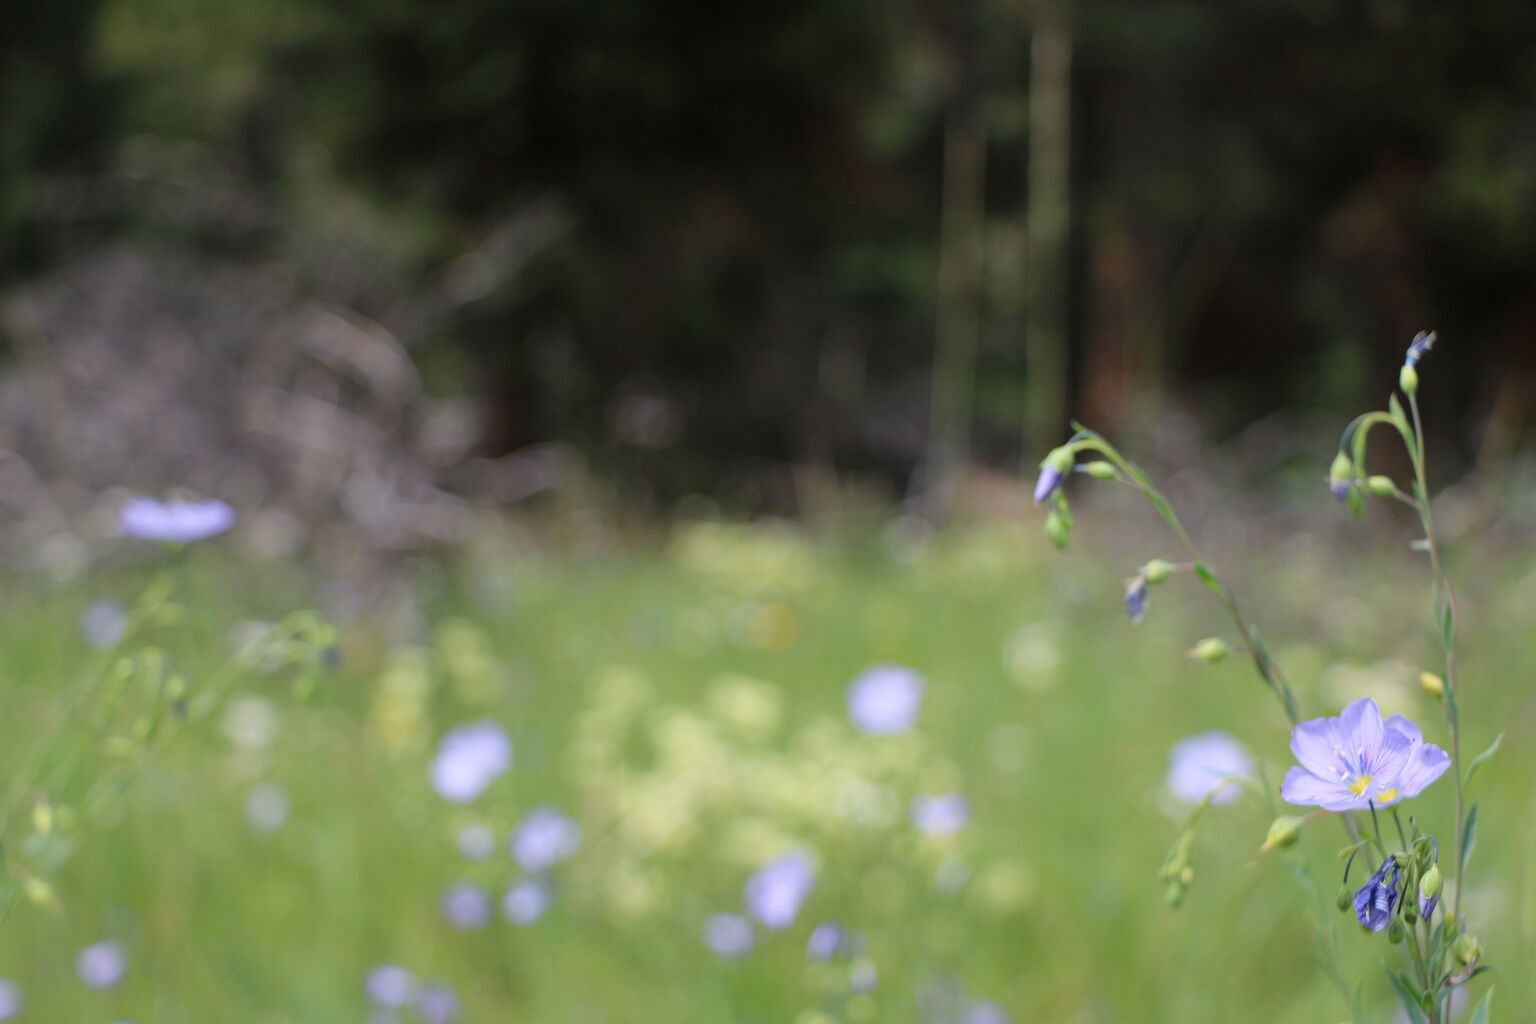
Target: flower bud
(1381,486)
(1341,476)
(1283,831)
(1345,897)
(1210,650)
(1157,570)
(1468,950)
(1056,529)
(1409,913)
(1396,931)
(1429,891)
(1432,684)
(1101,470)
(1053,470)
(1408,380)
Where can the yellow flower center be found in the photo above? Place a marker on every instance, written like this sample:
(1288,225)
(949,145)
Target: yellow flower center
(1360,784)
(1387,795)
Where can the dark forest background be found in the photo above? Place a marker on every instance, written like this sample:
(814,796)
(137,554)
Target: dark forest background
(704,244)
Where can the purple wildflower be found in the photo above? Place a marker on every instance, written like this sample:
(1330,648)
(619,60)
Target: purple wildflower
(467,906)
(101,965)
(985,1012)
(1203,766)
(1376,898)
(104,624)
(728,935)
(1420,346)
(1355,760)
(826,941)
(940,815)
(174,522)
(10,999)
(525,902)
(469,758)
(544,838)
(1136,597)
(773,895)
(437,1004)
(884,699)
(389,985)
(1050,479)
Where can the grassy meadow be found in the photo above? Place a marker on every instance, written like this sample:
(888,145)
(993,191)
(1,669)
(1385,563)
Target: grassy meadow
(240,798)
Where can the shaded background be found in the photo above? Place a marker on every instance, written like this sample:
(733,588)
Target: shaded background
(740,249)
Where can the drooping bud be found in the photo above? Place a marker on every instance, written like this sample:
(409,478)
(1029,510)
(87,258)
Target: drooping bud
(1056,529)
(1468,950)
(1341,476)
(1053,470)
(1136,597)
(1346,894)
(1101,470)
(1408,380)
(1283,832)
(1429,891)
(1381,486)
(1157,570)
(1210,650)
(1432,684)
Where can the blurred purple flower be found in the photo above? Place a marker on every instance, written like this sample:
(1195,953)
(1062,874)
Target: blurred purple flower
(10,999)
(826,941)
(467,906)
(437,1004)
(525,902)
(174,522)
(773,895)
(884,699)
(728,935)
(469,758)
(1355,760)
(1199,765)
(544,838)
(1419,347)
(476,842)
(940,815)
(389,985)
(101,965)
(1136,598)
(985,1012)
(104,624)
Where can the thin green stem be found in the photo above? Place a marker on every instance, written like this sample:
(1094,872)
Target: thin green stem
(1444,594)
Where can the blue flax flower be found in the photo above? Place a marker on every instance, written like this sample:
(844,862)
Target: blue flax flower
(1136,597)
(1355,760)
(1050,479)
(174,522)
(774,893)
(884,700)
(1376,898)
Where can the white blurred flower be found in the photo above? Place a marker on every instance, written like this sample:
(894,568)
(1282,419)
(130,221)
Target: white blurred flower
(101,965)
(104,624)
(525,902)
(10,999)
(251,723)
(266,808)
(476,842)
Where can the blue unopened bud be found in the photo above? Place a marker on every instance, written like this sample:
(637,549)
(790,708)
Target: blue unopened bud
(1341,476)
(1136,597)
(1429,891)
(1419,347)
(1053,470)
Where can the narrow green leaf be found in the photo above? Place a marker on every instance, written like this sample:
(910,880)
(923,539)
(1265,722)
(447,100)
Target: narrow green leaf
(1468,837)
(1480,1015)
(1447,626)
(1405,995)
(1355,503)
(1477,762)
